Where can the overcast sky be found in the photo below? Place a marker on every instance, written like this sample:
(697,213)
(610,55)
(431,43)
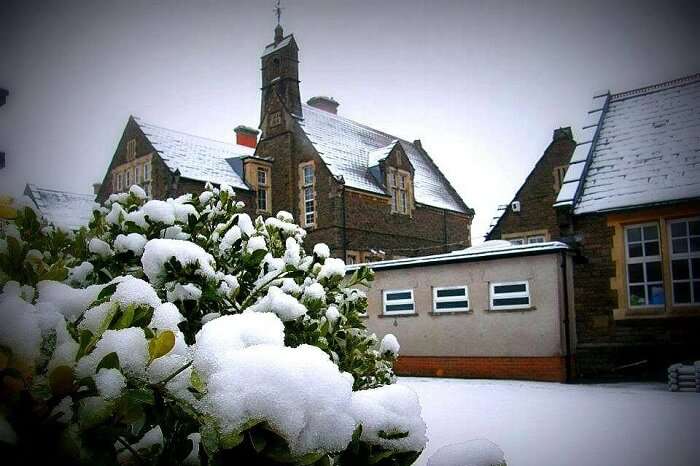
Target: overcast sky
(482,84)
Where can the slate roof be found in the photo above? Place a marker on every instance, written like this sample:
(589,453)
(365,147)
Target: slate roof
(60,208)
(345,147)
(641,147)
(195,157)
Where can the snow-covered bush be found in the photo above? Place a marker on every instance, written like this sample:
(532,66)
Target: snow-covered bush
(185,332)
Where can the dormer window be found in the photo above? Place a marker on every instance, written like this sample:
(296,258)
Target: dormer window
(263,192)
(131,149)
(400,187)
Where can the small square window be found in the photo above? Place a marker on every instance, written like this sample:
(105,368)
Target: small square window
(510,295)
(399,302)
(450,299)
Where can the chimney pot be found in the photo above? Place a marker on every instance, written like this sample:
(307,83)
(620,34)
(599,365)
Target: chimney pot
(96,188)
(327,104)
(246,136)
(562,133)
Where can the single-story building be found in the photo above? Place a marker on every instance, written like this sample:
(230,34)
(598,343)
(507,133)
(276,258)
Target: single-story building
(491,311)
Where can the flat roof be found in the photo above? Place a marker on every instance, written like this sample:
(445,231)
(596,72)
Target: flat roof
(473,254)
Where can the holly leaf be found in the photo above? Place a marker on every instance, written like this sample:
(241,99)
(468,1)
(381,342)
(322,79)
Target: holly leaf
(110,361)
(161,344)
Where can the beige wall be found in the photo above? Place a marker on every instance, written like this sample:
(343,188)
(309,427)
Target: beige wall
(480,332)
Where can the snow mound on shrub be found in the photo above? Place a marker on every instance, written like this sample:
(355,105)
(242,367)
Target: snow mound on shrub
(130,345)
(277,301)
(159,251)
(132,290)
(389,410)
(70,302)
(478,452)
(20,329)
(220,338)
(298,391)
(389,344)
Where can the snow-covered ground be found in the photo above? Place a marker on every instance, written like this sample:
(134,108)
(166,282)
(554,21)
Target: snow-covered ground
(548,424)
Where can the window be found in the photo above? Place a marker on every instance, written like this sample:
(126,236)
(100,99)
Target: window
(685,260)
(559,173)
(535,239)
(275,119)
(128,178)
(147,189)
(399,302)
(399,182)
(137,176)
(517,241)
(131,149)
(308,195)
(643,259)
(510,295)
(450,299)
(351,259)
(147,171)
(263,189)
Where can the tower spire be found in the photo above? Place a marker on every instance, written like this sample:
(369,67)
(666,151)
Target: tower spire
(279,32)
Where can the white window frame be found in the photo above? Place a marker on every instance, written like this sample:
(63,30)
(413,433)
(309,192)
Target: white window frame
(308,186)
(687,256)
(517,241)
(451,299)
(411,301)
(147,171)
(516,294)
(643,259)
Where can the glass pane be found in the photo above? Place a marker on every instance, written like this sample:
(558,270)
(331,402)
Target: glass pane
(516,288)
(651,248)
(696,292)
(635,250)
(680,245)
(681,292)
(694,244)
(635,273)
(678,229)
(680,269)
(511,301)
(696,268)
(694,226)
(453,292)
(634,234)
(452,305)
(653,271)
(651,232)
(401,295)
(656,294)
(637,295)
(399,307)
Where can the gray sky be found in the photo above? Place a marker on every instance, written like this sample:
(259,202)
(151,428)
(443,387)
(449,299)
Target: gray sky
(482,84)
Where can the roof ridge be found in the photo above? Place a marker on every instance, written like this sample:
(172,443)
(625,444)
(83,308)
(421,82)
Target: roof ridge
(39,188)
(657,87)
(139,121)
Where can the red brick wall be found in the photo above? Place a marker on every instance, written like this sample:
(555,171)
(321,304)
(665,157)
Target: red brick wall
(548,369)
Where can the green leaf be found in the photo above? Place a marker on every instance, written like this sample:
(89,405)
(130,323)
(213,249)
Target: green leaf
(142,396)
(61,380)
(161,344)
(257,439)
(231,440)
(107,292)
(110,361)
(126,318)
(197,382)
(209,437)
(85,339)
(392,435)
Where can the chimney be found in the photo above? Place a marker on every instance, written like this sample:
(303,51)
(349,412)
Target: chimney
(562,133)
(246,136)
(327,104)
(96,188)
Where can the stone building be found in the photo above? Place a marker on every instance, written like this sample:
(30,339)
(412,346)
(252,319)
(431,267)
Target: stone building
(365,193)
(530,218)
(630,206)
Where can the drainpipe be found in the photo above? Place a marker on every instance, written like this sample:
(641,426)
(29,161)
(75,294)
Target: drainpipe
(345,223)
(444,228)
(567,321)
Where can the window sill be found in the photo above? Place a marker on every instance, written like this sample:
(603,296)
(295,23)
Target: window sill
(449,313)
(391,316)
(521,309)
(656,313)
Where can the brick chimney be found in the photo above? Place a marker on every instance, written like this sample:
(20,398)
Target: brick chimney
(96,188)
(562,133)
(246,136)
(327,104)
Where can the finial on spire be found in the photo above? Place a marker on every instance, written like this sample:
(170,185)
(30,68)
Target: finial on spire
(279,33)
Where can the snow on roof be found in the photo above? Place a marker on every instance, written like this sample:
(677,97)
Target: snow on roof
(643,148)
(377,155)
(497,249)
(195,157)
(345,147)
(60,208)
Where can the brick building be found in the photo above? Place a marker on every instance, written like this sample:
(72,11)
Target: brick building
(365,193)
(630,205)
